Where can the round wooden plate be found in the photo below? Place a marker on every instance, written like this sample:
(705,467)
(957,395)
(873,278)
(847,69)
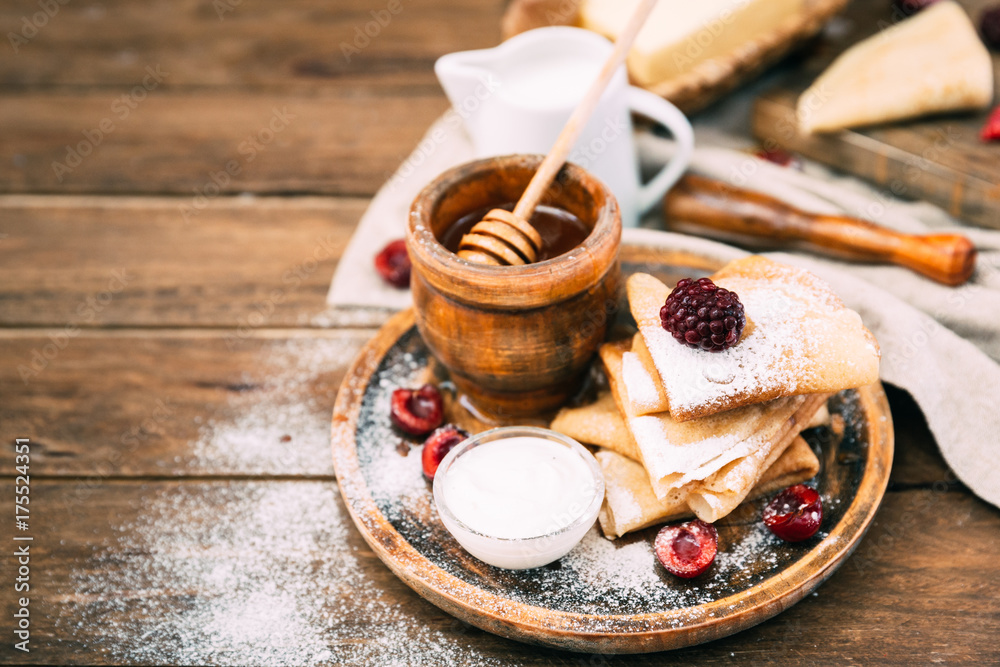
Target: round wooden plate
(603,597)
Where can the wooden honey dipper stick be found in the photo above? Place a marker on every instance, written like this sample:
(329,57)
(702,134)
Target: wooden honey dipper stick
(504,238)
(703,205)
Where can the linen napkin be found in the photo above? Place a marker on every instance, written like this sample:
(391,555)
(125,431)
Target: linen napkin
(941,344)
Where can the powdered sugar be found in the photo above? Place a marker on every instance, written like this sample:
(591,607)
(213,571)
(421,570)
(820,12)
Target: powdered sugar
(599,579)
(767,359)
(279,424)
(261,573)
(640,386)
(799,339)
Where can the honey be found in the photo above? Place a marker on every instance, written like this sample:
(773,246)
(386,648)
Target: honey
(561,231)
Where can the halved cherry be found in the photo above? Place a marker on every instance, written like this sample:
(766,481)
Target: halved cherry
(687,549)
(417,411)
(393,264)
(780,157)
(437,446)
(795,514)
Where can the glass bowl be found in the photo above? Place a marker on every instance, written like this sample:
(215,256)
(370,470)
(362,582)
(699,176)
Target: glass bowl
(564,531)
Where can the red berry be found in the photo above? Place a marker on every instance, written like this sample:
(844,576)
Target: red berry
(911,7)
(393,264)
(417,411)
(437,446)
(779,157)
(989,27)
(991,130)
(703,315)
(794,514)
(687,549)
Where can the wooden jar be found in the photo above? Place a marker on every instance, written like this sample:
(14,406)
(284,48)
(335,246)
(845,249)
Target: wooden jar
(516,339)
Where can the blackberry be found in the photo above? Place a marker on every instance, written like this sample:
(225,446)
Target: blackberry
(702,315)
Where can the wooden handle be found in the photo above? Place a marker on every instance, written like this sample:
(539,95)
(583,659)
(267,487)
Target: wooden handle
(577,121)
(701,203)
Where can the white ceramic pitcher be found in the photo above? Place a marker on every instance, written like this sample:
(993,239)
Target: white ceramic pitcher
(516,97)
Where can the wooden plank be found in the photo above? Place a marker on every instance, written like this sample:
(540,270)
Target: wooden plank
(105,261)
(940,159)
(341,141)
(175,403)
(247,572)
(293,45)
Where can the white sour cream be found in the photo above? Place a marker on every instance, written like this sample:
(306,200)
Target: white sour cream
(519,487)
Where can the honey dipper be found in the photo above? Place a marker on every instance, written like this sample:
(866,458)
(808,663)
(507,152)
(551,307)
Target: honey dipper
(505,238)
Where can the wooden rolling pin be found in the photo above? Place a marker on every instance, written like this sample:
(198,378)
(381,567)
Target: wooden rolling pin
(697,204)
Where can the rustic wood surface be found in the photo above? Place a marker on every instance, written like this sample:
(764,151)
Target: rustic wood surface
(180,469)
(940,159)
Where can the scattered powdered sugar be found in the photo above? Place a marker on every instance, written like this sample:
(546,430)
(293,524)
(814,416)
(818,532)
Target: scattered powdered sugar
(274,572)
(257,573)
(280,425)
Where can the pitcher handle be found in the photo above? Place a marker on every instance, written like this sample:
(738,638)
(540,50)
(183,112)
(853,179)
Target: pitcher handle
(652,106)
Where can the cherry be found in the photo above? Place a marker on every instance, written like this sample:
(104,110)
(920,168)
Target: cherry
(991,130)
(794,514)
(393,264)
(417,411)
(437,446)
(687,549)
(910,7)
(779,157)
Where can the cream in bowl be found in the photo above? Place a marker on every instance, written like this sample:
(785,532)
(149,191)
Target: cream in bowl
(518,497)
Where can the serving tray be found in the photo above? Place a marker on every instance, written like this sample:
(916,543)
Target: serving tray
(604,596)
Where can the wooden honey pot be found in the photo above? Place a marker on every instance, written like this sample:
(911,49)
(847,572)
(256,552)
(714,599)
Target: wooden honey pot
(516,339)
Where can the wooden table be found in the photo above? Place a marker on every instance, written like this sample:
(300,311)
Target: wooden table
(179,179)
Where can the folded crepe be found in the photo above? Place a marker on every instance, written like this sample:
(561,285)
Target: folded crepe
(601,424)
(630,504)
(930,63)
(799,339)
(709,464)
(598,423)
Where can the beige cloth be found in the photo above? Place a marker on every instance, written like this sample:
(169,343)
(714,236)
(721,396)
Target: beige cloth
(939,343)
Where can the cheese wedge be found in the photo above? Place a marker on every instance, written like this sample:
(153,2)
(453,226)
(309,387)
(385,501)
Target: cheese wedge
(800,338)
(930,63)
(681,34)
(630,503)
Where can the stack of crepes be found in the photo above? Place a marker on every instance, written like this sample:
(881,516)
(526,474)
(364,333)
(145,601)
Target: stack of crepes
(687,432)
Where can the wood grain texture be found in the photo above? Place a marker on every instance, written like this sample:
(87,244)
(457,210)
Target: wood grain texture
(132,568)
(176,404)
(514,350)
(104,261)
(187,417)
(720,210)
(940,159)
(340,141)
(101,589)
(295,45)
